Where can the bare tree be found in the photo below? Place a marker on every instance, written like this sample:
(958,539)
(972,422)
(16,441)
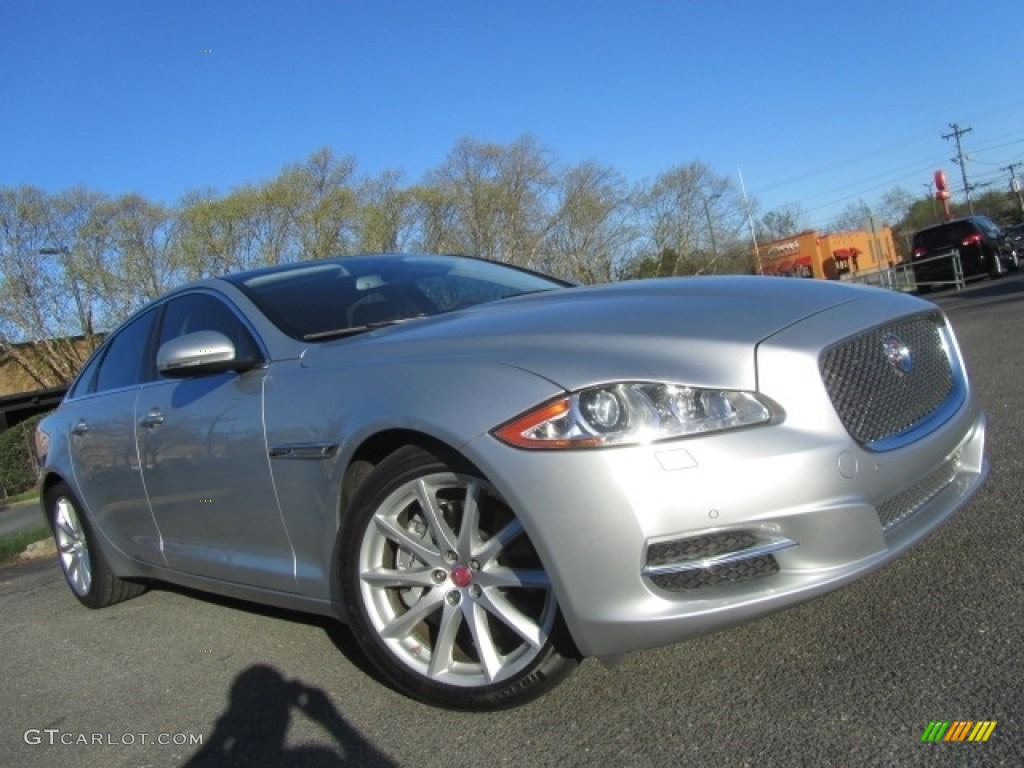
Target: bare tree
(43,314)
(386,214)
(592,229)
(850,218)
(691,217)
(490,200)
(325,205)
(785,221)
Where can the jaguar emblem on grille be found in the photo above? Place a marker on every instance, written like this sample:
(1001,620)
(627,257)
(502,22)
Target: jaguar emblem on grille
(897,353)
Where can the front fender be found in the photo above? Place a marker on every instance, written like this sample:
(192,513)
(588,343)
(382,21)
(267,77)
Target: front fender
(315,421)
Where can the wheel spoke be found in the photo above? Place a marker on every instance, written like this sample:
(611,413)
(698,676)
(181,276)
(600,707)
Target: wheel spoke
(66,545)
(490,551)
(443,535)
(496,604)
(500,576)
(402,538)
(390,577)
(64,527)
(403,624)
(442,655)
(469,535)
(476,617)
(78,572)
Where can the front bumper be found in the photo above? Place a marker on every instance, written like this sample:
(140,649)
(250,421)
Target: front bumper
(593,517)
(830,508)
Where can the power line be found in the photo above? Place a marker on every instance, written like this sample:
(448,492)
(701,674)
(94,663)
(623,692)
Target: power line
(837,195)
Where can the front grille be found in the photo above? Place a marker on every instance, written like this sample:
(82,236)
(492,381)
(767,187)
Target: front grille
(873,397)
(904,504)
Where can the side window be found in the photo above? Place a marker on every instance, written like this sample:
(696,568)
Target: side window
(124,364)
(86,378)
(203,312)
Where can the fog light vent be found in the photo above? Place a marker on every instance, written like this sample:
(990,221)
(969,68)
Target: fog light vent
(714,559)
(699,547)
(903,505)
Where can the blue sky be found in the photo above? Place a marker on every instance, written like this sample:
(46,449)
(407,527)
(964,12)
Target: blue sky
(820,103)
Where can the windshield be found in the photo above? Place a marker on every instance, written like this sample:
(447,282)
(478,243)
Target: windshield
(337,297)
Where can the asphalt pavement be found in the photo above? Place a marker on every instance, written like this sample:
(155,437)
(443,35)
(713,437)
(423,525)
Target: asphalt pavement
(851,679)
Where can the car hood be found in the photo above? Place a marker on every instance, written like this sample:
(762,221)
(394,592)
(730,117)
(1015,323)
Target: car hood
(700,331)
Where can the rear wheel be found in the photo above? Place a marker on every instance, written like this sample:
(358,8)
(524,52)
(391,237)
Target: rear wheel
(85,567)
(445,592)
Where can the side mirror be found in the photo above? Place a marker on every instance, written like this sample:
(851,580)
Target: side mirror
(198,354)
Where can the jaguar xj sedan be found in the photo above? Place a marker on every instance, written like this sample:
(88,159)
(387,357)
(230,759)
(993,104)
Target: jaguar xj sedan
(489,474)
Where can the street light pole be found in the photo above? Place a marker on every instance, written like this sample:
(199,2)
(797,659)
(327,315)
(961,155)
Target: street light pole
(750,222)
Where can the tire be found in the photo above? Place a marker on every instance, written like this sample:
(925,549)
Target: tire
(85,567)
(998,267)
(471,623)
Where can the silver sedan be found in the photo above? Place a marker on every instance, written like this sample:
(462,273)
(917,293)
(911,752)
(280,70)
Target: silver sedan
(489,474)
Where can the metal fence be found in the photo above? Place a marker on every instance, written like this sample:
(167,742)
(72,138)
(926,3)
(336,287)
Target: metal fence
(901,276)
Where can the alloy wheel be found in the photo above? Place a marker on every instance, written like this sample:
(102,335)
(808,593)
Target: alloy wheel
(451,583)
(72,547)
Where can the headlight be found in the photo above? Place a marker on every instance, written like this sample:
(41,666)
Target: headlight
(631,412)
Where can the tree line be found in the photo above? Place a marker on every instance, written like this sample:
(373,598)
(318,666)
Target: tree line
(75,263)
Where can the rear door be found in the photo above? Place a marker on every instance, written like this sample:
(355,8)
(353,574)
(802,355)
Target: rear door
(100,416)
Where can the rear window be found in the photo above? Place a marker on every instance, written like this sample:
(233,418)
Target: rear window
(945,236)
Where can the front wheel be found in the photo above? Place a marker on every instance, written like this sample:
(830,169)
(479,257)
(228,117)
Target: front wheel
(444,590)
(999,267)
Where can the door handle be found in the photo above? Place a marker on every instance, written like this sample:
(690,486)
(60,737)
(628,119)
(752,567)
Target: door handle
(152,419)
(80,428)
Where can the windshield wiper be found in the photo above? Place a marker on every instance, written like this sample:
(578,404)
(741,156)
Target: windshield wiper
(525,293)
(355,330)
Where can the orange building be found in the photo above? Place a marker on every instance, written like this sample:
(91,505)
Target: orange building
(831,257)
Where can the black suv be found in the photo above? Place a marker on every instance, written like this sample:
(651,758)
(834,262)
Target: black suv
(983,247)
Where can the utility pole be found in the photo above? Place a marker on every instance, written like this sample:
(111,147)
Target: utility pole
(1015,184)
(961,160)
(711,227)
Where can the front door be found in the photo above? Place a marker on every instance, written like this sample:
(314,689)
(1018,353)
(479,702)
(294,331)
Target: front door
(205,464)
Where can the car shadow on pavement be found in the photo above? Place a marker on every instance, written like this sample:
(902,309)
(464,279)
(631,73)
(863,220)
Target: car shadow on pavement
(337,632)
(252,731)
